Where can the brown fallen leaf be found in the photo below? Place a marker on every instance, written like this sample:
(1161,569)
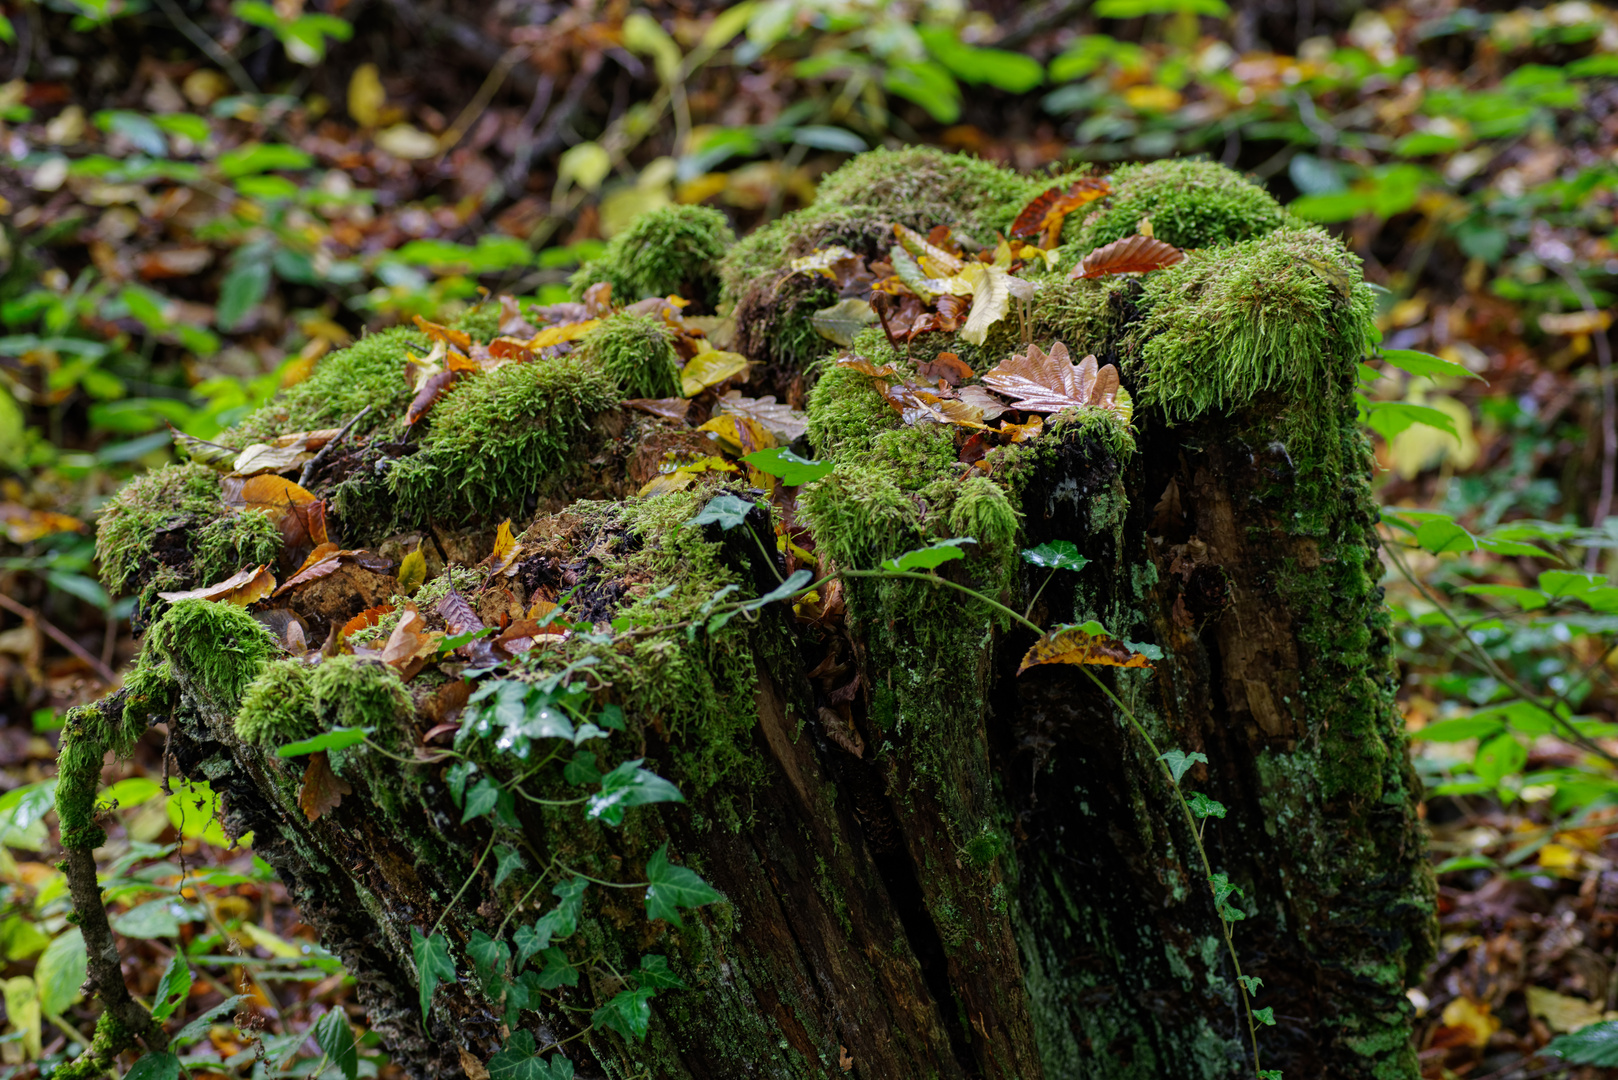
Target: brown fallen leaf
(1075,645)
(409,646)
(1132,255)
(445,702)
(242,588)
(323,561)
(431,390)
(24,525)
(368,617)
(947,366)
(667,408)
(1049,383)
(301,516)
(512,321)
(845,1060)
(460,618)
(782,421)
(459,339)
(1019,433)
(865,367)
(598,299)
(322,789)
(1043,216)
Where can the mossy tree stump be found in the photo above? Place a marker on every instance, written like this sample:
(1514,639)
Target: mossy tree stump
(931,866)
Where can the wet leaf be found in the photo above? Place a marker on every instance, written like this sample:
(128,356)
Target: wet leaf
(1078,645)
(322,789)
(1020,433)
(947,366)
(788,467)
(1043,216)
(931,556)
(1596,1044)
(739,435)
(668,408)
(991,300)
(674,887)
(242,588)
(433,965)
(323,561)
(710,368)
(1050,383)
(844,319)
(985,402)
(630,785)
(301,516)
(505,546)
(727,511)
(865,367)
(338,738)
(684,476)
(1132,255)
(1056,555)
(556,335)
(408,647)
(264,458)
(412,572)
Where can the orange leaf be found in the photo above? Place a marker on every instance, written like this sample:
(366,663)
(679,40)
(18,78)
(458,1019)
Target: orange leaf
(324,560)
(1132,255)
(458,338)
(368,617)
(739,435)
(1050,383)
(301,516)
(1022,432)
(1044,215)
(668,408)
(1075,645)
(947,366)
(598,298)
(555,335)
(409,644)
(320,554)
(241,588)
(865,367)
(322,789)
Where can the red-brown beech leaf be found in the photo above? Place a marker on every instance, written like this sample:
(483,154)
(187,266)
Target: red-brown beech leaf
(1132,255)
(322,789)
(460,339)
(1048,383)
(1050,208)
(668,408)
(947,366)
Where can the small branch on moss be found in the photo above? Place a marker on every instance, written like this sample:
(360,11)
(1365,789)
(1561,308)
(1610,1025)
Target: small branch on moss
(320,457)
(104,965)
(27,614)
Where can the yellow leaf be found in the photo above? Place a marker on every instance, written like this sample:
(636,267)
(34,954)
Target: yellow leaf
(1558,857)
(366,96)
(555,335)
(823,260)
(1153,98)
(1075,645)
(273,943)
(412,572)
(740,435)
(710,369)
(504,544)
(408,142)
(242,588)
(1561,1012)
(1472,1017)
(682,478)
(991,300)
(23,1010)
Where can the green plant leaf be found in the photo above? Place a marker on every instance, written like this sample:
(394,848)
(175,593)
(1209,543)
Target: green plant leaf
(1204,807)
(433,965)
(244,286)
(1056,555)
(930,556)
(1498,758)
(173,988)
(727,511)
(480,800)
(559,923)
(262,157)
(630,785)
(489,957)
(558,971)
(60,971)
(582,769)
(1526,599)
(337,738)
(654,972)
(791,469)
(517,1060)
(1445,538)
(1388,418)
(629,1013)
(198,1028)
(1593,1044)
(1458,728)
(1265,1016)
(674,887)
(1179,762)
(507,861)
(1223,892)
(1426,365)
(154,1066)
(336,1039)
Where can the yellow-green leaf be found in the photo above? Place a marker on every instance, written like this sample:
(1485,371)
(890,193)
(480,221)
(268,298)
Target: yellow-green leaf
(412,572)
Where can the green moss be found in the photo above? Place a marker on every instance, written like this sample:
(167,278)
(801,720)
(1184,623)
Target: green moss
(1263,316)
(493,438)
(150,690)
(1191,204)
(219,646)
(673,250)
(924,187)
(235,539)
(279,706)
(1088,316)
(981,510)
(171,498)
(637,351)
(482,321)
(368,372)
(349,691)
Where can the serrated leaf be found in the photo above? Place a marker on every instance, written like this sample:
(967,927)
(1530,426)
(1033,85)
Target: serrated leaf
(630,785)
(1180,762)
(433,965)
(1056,555)
(930,556)
(674,887)
(336,1039)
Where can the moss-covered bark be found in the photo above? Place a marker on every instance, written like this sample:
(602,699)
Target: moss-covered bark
(932,867)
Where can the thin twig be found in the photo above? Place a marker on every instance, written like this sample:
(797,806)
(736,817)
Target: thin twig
(315,462)
(103,672)
(480,100)
(200,38)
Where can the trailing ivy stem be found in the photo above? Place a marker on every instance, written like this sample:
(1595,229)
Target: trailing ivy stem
(609,884)
(936,580)
(1035,599)
(458,892)
(518,905)
(1202,853)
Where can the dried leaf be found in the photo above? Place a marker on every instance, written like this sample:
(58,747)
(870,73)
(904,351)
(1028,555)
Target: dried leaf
(681,478)
(667,408)
(711,368)
(512,320)
(458,614)
(782,421)
(991,300)
(840,322)
(1019,433)
(1131,255)
(408,647)
(1050,383)
(264,458)
(242,588)
(865,367)
(23,525)
(947,366)
(322,789)
(935,261)
(505,546)
(911,276)
(835,262)
(369,617)
(428,395)
(982,400)
(916,404)
(459,339)
(740,435)
(555,335)
(1077,645)
(324,560)
(1044,215)
(301,516)
(598,299)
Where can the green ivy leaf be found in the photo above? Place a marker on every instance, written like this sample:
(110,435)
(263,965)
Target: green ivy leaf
(674,887)
(1204,807)
(481,799)
(654,973)
(433,965)
(1179,762)
(507,861)
(558,971)
(629,1013)
(336,1039)
(1265,1016)
(517,1060)
(1223,891)
(489,957)
(173,988)
(1251,982)
(559,923)
(337,738)
(788,467)
(727,511)
(582,769)
(630,785)
(930,556)
(1056,555)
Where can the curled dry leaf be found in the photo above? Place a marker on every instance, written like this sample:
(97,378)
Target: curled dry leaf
(322,789)
(668,408)
(1132,255)
(865,367)
(203,452)
(556,335)
(301,516)
(1076,645)
(242,588)
(512,321)
(431,390)
(409,646)
(782,421)
(1045,214)
(1019,433)
(598,299)
(369,617)
(505,546)
(739,435)
(1049,383)
(459,339)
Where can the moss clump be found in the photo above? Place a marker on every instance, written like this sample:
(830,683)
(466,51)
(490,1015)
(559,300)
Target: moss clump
(975,198)
(236,539)
(1089,316)
(482,321)
(1286,313)
(982,511)
(279,706)
(1192,204)
(637,351)
(218,646)
(368,372)
(493,438)
(349,691)
(671,250)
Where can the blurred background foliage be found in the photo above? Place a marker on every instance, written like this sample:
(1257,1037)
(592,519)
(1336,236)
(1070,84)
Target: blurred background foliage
(200,198)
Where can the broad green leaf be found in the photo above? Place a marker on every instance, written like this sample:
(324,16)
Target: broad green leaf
(1388,418)
(336,1039)
(433,965)
(531,940)
(1570,584)
(156,919)
(929,85)
(1457,728)
(582,769)
(262,157)
(788,467)
(1134,9)
(1426,365)
(130,791)
(1056,555)
(1526,599)
(1204,807)
(559,923)
(674,887)
(840,323)
(244,286)
(489,957)
(1594,1044)
(1224,891)
(725,510)
(1002,69)
(796,582)
(1180,762)
(1498,758)
(507,861)
(629,1013)
(198,1028)
(1445,538)
(61,970)
(654,972)
(558,971)
(1265,1016)
(518,1060)
(930,556)
(836,139)
(173,988)
(630,785)
(154,1066)
(337,738)
(480,800)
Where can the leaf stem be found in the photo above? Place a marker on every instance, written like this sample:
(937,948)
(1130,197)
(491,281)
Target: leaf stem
(458,893)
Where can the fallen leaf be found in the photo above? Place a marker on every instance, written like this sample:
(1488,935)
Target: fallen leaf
(408,647)
(322,789)
(740,435)
(203,452)
(1132,255)
(301,516)
(1049,383)
(412,572)
(934,261)
(322,562)
(555,335)
(1077,645)
(1561,1012)
(1473,1018)
(865,367)
(23,525)
(1045,214)
(428,395)
(845,1060)
(458,614)
(991,300)
(264,458)
(505,546)
(369,617)
(459,339)
(598,299)
(512,320)
(242,588)
(682,477)
(985,402)
(782,421)
(711,368)
(1019,433)
(947,366)
(836,262)
(667,408)
(844,319)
